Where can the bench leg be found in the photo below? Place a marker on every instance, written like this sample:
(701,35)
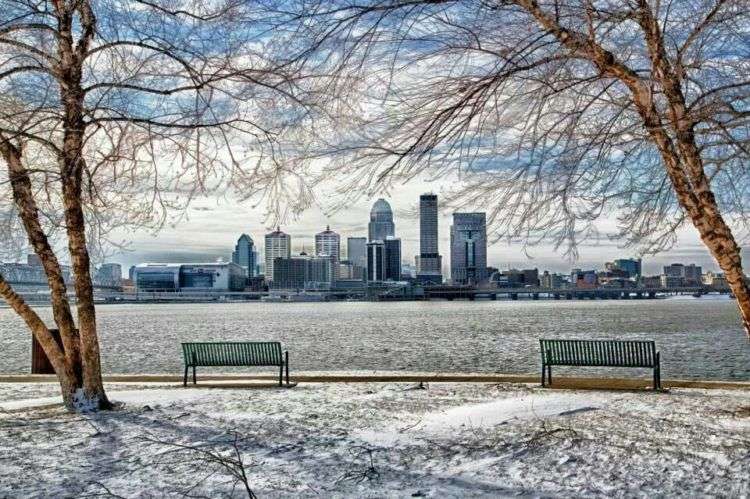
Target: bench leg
(184,379)
(286,364)
(657,373)
(549,374)
(194,381)
(543,368)
(281,374)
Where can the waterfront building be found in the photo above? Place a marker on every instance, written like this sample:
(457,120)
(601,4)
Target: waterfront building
(715,280)
(552,281)
(109,274)
(376,261)
(289,273)
(429,262)
(392,259)
(584,279)
(303,272)
(677,275)
(278,245)
(189,277)
(514,278)
(469,248)
(244,254)
(629,266)
(356,251)
(381,221)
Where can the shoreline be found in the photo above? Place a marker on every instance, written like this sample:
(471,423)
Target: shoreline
(560,382)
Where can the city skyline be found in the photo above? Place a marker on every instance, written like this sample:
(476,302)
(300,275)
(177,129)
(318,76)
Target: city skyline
(212,228)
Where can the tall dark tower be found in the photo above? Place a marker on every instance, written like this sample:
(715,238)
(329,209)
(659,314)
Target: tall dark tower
(429,262)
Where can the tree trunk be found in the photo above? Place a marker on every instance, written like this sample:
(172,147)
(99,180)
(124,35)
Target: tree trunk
(66,373)
(677,148)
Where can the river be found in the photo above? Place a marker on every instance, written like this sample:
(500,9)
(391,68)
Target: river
(698,337)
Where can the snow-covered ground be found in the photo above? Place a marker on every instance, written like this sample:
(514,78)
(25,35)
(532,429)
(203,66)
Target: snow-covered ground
(377,440)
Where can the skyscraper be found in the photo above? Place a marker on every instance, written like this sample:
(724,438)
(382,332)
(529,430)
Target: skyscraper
(244,254)
(429,262)
(469,248)
(376,261)
(356,251)
(381,221)
(328,243)
(278,245)
(392,258)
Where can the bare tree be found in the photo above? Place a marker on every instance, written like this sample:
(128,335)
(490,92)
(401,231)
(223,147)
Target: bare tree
(549,113)
(113,113)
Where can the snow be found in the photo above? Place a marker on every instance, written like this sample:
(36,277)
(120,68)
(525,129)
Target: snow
(376,440)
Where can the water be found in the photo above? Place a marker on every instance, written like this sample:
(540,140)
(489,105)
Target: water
(698,338)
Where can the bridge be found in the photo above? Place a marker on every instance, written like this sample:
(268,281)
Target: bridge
(535,293)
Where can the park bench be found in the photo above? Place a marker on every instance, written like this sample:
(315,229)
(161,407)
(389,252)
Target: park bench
(600,353)
(235,354)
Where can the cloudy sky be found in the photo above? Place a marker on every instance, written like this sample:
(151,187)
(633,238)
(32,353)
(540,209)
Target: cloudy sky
(213,226)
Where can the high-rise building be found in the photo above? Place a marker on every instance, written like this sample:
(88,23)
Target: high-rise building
(392,258)
(356,251)
(381,221)
(303,272)
(278,245)
(289,273)
(429,262)
(376,261)
(328,243)
(469,248)
(244,254)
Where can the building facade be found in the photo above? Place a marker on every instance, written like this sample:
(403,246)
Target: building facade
(244,255)
(392,258)
(677,275)
(278,245)
(356,251)
(328,243)
(632,267)
(376,261)
(429,262)
(163,277)
(109,274)
(469,248)
(381,223)
(303,272)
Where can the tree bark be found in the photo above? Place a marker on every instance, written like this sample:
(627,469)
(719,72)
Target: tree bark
(66,374)
(72,163)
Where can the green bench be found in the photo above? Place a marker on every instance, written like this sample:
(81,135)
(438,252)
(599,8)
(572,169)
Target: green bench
(235,354)
(600,353)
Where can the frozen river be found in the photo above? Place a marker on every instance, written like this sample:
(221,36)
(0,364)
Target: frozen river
(698,338)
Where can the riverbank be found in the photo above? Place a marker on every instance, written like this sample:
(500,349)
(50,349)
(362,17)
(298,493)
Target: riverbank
(375,440)
(242,380)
